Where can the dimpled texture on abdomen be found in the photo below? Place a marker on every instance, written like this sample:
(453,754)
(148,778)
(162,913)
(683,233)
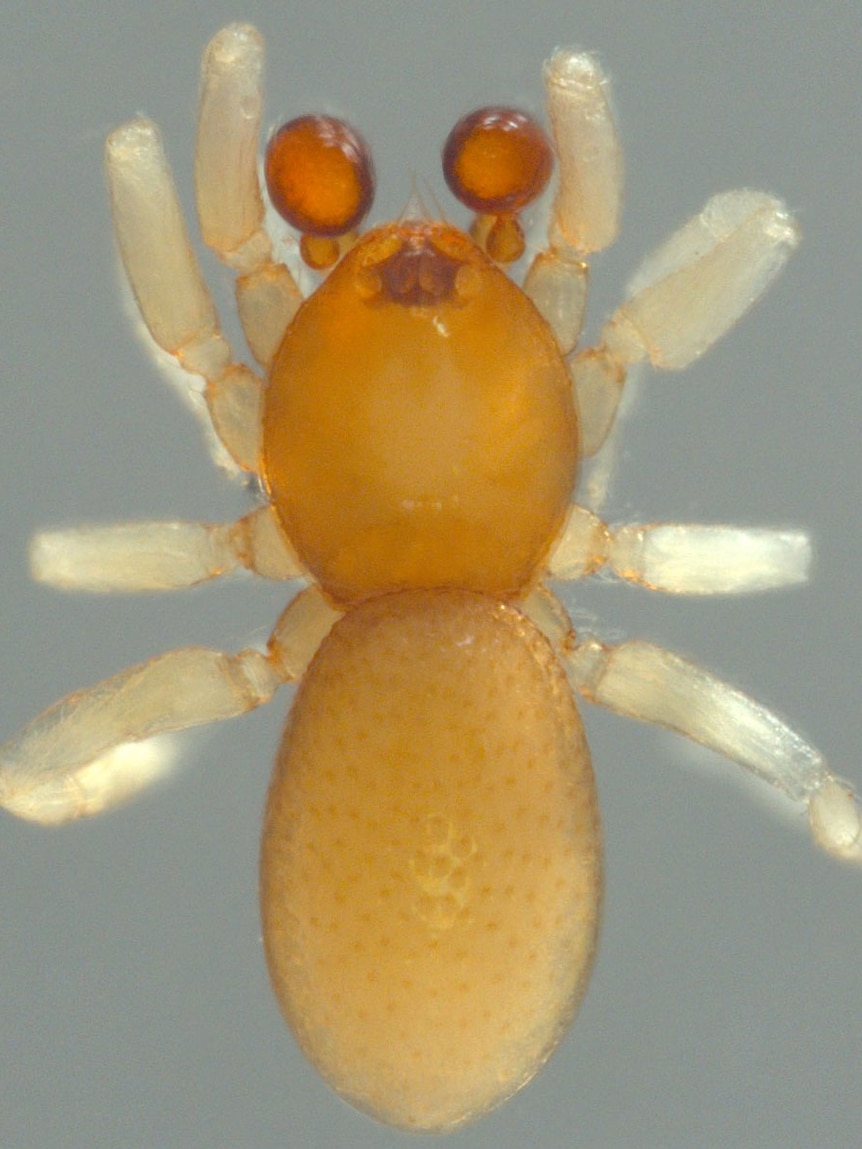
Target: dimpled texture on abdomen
(431,857)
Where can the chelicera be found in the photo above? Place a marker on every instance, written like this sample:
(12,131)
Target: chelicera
(431,858)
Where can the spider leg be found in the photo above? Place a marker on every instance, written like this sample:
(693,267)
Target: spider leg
(229,199)
(161,555)
(643,681)
(684,297)
(97,747)
(585,214)
(166,280)
(682,558)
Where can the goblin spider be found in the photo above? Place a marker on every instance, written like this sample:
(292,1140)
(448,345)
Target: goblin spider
(431,858)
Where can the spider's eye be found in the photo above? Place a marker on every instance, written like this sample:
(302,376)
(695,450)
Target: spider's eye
(497,160)
(319,176)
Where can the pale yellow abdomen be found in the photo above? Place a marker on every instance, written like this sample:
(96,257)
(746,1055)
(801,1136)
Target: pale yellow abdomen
(431,870)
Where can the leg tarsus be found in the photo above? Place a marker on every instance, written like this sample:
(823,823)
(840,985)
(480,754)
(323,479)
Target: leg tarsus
(835,820)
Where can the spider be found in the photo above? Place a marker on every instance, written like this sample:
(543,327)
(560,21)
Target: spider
(431,856)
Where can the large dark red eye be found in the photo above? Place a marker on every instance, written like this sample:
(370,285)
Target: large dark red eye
(319,175)
(497,160)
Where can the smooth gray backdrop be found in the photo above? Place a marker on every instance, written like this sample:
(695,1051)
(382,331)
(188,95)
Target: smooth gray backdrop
(726,1003)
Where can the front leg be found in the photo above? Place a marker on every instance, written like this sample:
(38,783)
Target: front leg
(167,283)
(683,298)
(586,210)
(229,199)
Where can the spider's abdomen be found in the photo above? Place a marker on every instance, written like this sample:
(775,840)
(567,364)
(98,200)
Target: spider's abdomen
(431,867)
(415,398)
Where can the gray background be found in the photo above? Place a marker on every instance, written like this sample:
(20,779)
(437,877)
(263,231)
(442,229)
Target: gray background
(725,1007)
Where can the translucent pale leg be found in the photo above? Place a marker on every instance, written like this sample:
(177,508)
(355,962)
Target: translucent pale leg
(229,199)
(589,195)
(167,283)
(683,298)
(95,748)
(585,214)
(161,556)
(653,685)
(682,558)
